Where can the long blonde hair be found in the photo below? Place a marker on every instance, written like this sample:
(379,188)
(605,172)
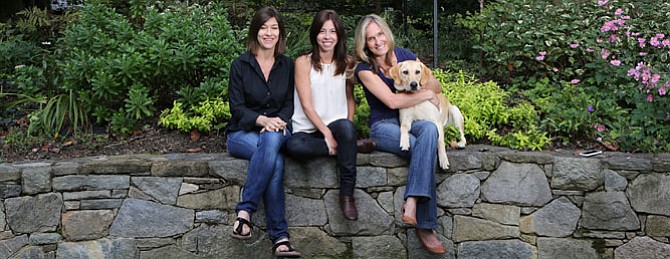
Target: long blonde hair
(360,46)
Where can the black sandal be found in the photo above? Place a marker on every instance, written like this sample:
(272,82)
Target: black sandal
(237,232)
(291,252)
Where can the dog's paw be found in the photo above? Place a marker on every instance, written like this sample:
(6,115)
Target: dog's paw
(444,163)
(460,144)
(404,142)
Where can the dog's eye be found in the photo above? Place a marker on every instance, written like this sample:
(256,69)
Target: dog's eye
(417,72)
(405,72)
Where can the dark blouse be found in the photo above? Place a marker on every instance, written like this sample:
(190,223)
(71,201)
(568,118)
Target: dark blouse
(251,96)
(379,110)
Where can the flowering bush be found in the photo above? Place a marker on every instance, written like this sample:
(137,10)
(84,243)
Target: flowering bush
(613,52)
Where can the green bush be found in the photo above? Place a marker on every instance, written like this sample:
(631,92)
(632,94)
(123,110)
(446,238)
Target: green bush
(124,70)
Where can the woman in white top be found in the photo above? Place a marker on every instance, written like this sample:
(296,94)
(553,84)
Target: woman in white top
(324,105)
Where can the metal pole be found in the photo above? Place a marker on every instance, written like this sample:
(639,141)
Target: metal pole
(434,33)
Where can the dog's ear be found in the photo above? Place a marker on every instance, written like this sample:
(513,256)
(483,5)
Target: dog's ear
(394,72)
(425,74)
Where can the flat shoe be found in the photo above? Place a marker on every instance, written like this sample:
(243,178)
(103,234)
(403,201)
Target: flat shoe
(292,253)
(433,249)
(237,232)
(407,220)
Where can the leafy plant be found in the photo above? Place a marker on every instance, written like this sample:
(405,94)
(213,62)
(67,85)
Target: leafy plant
(210,113)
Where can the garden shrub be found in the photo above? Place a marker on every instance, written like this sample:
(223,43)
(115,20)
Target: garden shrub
(125,69)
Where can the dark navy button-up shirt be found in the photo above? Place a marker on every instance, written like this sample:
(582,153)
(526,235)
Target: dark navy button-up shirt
(251,96)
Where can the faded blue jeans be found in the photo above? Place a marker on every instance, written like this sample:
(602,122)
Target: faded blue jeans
(264,176)
(422,157)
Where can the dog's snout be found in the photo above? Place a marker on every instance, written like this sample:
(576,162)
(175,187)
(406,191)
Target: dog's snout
(414,86)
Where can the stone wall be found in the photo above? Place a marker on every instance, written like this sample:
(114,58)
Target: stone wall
(493,203)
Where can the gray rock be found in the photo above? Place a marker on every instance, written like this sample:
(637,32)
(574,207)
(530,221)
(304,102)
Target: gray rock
(495,249)
(367,176)
(657,226)
(461,160)
(459,190)
(224,198)
(550,248)
(211,217)
(36,180)
(231,170)
(650,193)
(178,168)
(86,224)
(44,238)
(84,195)
(517,184)
(416,250)
(608,211)
(100,204)
(661,162)
(316,173)
(446,226)
(388,160)
(116,165)
(614,182)
(12,245)
(579,174)
(165,190)
(122,248)
(397,176)
(215,241)
(150,243)
(30,252)
(627,162)
(372,219)
(503,214)
(34,214)
(313,242)
(9,173)
(9,190)
(139,218)
(468,228)
(385,199)
(556,219)
(381,247)
(90,183)
(643,248)
(171,251)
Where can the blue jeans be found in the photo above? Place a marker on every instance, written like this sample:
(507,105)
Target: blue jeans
(264,176)
(422,157)
(307,146)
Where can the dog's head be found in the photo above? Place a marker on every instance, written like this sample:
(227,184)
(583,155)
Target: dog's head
(409,75)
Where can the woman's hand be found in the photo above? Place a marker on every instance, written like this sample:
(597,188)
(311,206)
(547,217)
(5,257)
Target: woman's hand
(330,143)
(432,97)
(271,124)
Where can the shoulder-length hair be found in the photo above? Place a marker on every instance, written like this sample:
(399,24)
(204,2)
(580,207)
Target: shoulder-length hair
(261,17)
(360,46)
(340,55)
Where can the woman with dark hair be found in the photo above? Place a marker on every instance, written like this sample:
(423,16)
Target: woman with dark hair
(375,48)
(324,105)
(261,102)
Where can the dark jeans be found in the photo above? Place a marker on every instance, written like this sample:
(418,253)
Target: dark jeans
(312,145)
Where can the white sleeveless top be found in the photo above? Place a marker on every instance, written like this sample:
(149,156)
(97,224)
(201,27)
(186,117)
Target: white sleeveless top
(329,98)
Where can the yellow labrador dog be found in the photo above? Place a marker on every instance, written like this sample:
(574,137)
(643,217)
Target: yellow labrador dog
(410,76)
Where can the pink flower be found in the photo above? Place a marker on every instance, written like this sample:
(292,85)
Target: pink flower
(661,91)
(574,81)
(635,34)
(542,53)
(655,78)
(599,40)
(618,11)
(612,38)
(539,58)
(642,54)
(654,41)
(555,70)
(660,35)
(642,41)
(599,139)
(604,53)
(650,98)
(601,128)
(625,17)
(589,50)
(602,2)
(632,72)
(574,46)
(615,62)
(666,42)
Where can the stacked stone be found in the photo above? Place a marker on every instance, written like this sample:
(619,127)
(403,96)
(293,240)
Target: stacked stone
(493,203)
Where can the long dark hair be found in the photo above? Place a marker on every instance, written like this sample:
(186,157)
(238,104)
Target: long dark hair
(340,55)
(263,15)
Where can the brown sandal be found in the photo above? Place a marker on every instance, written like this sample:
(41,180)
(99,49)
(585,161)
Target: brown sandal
(407,220)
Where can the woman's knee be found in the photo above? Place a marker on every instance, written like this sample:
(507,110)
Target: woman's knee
(345,129)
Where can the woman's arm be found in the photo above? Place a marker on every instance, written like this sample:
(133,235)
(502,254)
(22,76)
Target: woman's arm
(351,103)
(237,99)
(378,88)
